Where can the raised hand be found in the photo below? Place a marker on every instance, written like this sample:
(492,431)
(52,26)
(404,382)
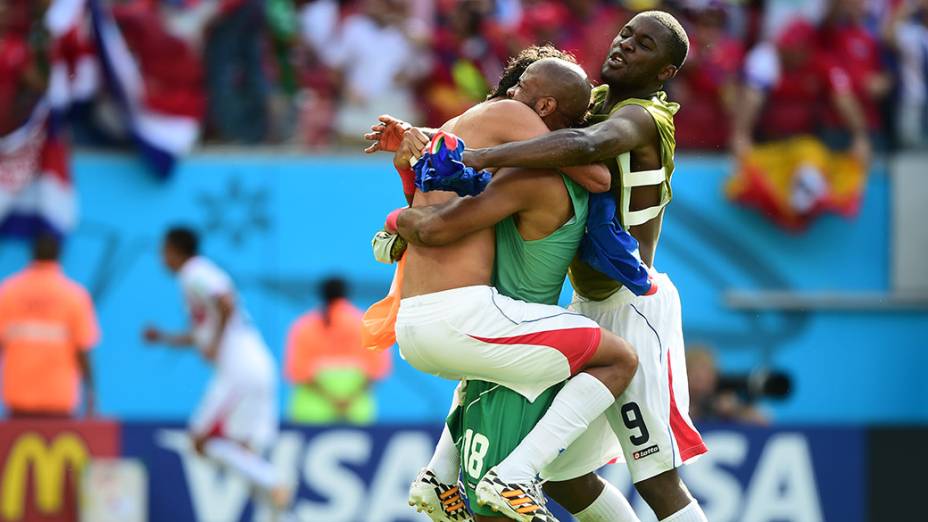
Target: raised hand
(386,135)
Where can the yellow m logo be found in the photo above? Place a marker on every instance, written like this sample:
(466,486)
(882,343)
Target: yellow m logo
(50,463)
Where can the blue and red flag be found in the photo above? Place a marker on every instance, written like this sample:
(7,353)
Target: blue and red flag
(441,168)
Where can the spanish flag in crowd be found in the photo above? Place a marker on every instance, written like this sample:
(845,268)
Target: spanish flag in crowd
(795,180)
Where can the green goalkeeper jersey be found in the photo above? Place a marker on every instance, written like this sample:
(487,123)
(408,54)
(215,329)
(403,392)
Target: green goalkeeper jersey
(492,420)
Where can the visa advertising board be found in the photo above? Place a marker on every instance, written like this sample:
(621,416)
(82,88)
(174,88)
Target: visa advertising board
(362,475)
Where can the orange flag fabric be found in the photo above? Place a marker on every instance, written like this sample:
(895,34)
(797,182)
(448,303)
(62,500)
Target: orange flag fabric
(378,326)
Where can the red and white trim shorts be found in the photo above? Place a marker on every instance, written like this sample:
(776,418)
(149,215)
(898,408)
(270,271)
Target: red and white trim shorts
(651,418)
(476,333)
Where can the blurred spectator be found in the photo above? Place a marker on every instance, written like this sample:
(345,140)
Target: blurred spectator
(377,57)
(271,70)
(788,83)
(906,33)
(283,32)
(235,77)
(846,41)
(468,53)
(47,328)
(778,14)
(707,401)
(584,28)
(588,32)
(22,60)
(318,85)
(332,373)
(542,21)
(706,87)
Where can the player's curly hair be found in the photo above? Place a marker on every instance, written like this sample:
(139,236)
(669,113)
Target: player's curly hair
(517,65)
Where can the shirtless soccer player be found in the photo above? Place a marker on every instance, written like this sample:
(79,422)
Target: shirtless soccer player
(237,418)
(635,134)
(453,324)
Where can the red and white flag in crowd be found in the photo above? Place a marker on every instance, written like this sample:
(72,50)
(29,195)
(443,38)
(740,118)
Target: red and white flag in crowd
(36,190)
(36,193)
(154,76)
(156,81)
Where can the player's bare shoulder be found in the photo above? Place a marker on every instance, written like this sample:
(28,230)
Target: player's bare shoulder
(495,121)
(504,113)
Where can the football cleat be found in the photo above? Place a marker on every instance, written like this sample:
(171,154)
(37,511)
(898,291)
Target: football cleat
(441,502)
(520,502)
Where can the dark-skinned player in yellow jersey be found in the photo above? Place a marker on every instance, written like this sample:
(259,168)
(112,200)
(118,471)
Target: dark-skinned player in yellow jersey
(633,133)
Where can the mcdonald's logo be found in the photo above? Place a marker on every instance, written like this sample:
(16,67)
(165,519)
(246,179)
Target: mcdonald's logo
(49,462)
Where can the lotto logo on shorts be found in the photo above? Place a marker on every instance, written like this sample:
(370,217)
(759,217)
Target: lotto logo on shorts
(645,452)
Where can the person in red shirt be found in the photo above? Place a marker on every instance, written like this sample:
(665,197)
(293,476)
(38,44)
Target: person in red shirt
(787,86)
(845,40)
(542,21)
(589,30)
(706,88)
(47,329)
(22,83)
(583,28)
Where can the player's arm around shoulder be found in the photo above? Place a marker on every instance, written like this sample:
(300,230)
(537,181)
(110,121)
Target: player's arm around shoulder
(630,128)
(508,193)
(514,121)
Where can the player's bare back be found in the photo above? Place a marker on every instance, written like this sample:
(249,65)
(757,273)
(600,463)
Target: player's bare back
(469,261)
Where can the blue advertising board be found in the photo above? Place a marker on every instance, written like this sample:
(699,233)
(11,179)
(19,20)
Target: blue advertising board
(348,474)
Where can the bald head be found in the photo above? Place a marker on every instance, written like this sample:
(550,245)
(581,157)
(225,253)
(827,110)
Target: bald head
(558,81)
(568,84)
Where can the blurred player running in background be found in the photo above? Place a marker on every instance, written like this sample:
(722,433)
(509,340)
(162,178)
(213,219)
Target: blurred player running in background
(237,418)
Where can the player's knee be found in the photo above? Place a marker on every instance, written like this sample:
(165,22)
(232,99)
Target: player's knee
(615,363)
(629,357)
(622,354)
(615,352)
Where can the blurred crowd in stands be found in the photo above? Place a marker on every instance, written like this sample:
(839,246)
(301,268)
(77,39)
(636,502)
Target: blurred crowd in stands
(318,72)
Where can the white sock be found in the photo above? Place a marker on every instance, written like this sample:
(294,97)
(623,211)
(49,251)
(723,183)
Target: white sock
(258,471)
(691,513)
(446,461)
(610,506)
(578,403)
